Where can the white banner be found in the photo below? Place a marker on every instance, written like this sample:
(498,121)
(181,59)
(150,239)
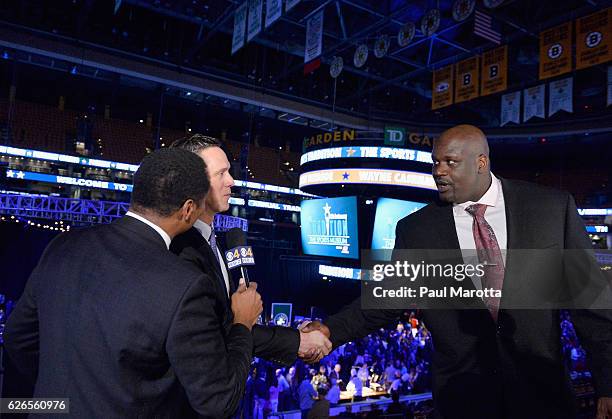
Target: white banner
(255,12)
(290,3)
(511,108)
(533,102)
(239,27)
(314,37)
(274,9)
(609,102)
(560,97)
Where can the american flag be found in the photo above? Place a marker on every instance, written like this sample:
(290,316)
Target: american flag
(486,28)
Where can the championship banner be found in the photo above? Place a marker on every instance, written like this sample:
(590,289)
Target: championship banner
(274,9)
(609,101)
(254,20)
(281,314)
(533,102)
(494,65)
(239,27)
(556,51)
(314,37)
(442,90)
(594,39)
(560,97)
(466,80)
(511,108)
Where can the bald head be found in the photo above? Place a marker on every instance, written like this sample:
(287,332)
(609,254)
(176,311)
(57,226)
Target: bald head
(461,164)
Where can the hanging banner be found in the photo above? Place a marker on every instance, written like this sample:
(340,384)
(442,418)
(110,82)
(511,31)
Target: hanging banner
(254,20)
(594,39)
(290,4)
(442,90)
(314,37)
(239,27)
(274,9)
(511,108)
(466,79)
(556,51)
(560,97)
(609,102)
(533,102)
(494,65)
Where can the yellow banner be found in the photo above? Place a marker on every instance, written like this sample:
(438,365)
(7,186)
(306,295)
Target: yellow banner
(593,39)
(442,90)
(466,79)
(556,51)
(368,176)
(494,65)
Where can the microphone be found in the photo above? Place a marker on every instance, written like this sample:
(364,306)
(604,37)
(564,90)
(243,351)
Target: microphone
(239,254)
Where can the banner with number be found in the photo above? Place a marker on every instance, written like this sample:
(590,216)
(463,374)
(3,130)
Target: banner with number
(511,108)
(442,89)
(560,96)
(274,9)
(556,51)
(239,27)
(254,20)
(314,37)
(290,4)
(533,102)
(609,101)
(494,65)
(594,39)
(466,79)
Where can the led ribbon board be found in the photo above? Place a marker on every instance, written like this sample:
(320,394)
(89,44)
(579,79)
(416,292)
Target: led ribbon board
(390,153)
(368,176)
(66,180)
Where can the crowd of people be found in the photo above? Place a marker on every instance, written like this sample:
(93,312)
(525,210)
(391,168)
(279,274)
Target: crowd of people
(391,362)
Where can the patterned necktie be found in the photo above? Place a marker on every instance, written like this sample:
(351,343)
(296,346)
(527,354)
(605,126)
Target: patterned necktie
(489,254)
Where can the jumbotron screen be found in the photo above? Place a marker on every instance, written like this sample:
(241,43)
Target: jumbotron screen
(388,213)
(330,228)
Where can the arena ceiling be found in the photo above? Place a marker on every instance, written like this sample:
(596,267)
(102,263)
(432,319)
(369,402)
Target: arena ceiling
(196,34)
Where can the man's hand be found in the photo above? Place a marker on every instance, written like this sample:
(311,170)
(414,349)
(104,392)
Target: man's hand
(246,304)
(604,408)
(314,341)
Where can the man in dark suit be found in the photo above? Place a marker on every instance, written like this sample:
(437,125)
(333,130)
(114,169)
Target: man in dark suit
(200,247)
(495,361)
(116,323)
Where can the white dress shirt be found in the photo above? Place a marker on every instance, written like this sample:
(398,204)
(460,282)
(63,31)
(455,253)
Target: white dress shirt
(154,226)
(205,230)
(495,215)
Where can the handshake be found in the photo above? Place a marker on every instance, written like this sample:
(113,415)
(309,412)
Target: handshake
(314,335)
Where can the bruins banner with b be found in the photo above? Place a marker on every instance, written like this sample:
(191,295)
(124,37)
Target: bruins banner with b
(442,89)
(494,65)
(556,51)
(466,79)
(593,43)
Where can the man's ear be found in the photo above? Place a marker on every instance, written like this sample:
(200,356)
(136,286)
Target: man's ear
(189,212)
(483,163)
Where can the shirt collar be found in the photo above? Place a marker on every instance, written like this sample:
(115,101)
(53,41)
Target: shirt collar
(154,226)
(490,198)
(204,229)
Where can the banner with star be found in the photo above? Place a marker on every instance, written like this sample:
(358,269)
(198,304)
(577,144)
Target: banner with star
(369,177)
(560,97)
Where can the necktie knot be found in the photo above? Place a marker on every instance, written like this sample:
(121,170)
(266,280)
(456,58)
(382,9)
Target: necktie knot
(476,210)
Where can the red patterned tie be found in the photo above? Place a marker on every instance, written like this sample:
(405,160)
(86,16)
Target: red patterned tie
(489,254)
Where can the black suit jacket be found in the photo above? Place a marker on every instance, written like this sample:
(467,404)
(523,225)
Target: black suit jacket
(512,369)
(279,344)
(123,328)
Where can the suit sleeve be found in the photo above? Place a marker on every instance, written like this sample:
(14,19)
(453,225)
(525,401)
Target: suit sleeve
(352,322)
(21,335)
(593,325)
(276,343)
(213,371)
